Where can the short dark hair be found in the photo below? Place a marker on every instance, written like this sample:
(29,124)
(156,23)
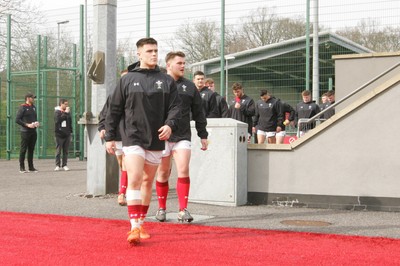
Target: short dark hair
(144,41)
(306,93)
(29,95)
(237,86)
(172,55)
(62,101)
(198,73)
(263,92)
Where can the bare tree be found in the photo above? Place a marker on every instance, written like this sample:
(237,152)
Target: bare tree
(263,27)
(258,28)
(23,16)
(234,40)
(369,34)
(126,53)
(199,40)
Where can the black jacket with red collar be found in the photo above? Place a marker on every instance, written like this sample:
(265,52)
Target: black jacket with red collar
(26,114)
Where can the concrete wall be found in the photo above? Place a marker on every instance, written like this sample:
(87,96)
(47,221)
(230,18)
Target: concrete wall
(350,161)
(353,71)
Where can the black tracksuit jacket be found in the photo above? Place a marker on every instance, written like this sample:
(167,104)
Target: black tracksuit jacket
(245,113)
(59,117)
(146,100)
(26,114)
(210,108)
(102,118)
(191,109)
(268,115)
(306,110)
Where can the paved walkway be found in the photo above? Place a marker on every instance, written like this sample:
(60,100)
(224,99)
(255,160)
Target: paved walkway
(64,193)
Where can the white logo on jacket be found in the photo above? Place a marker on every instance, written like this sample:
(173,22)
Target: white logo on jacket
(159,83)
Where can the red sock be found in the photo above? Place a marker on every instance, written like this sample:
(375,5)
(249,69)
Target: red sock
(144,211)
(182,189)
(123,182)
(162,194)
(134,211)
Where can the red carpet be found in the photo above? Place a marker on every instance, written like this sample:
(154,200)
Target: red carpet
(35,239)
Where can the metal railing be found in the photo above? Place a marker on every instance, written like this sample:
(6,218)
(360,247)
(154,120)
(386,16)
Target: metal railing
(312,120)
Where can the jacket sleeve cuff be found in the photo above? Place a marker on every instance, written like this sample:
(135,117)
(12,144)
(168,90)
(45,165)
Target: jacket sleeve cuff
(109,137)
(171,124)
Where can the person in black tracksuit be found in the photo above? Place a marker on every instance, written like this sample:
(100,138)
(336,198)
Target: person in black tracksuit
(118,152)
(288,114)
(27,118)
(242,108)
(323,105)
(179,144)
(331,100)
(222,105)
(306,109)
(210,108)
(268,118)
(63,131)
(102,117)
(147,102)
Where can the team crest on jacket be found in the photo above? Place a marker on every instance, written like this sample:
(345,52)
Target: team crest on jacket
(159,83)
(184,88)
(202,95)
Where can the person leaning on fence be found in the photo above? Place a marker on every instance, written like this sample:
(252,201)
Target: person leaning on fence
(242,108)
(148,103)
(304,110)
(222,106)
(63,131)
(27,119)
(268,119)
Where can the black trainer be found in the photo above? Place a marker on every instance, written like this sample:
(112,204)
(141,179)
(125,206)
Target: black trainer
(22,170)
(33,170)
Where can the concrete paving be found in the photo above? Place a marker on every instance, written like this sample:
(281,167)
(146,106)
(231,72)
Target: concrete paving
(64,193)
